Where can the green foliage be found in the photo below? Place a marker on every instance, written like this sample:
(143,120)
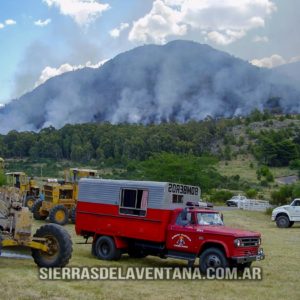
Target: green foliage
(117,143)
(2,178)
(283,195)
(251,193)
(220,195)
(268,211)
(264,171)
(171,167)
(295,164)
(296,191)
(275,148)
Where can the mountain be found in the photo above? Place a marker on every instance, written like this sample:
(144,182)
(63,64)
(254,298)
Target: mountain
(291,71)
(179,81)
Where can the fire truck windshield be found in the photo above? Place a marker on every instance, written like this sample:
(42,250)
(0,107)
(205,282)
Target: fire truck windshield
(209,219)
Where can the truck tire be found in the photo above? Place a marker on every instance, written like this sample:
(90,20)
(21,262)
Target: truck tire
(291,223)
(59,214)
(36,210)
(73,215)
(105,248)
(29,202)
(212,258)
(282,222)
(60,247)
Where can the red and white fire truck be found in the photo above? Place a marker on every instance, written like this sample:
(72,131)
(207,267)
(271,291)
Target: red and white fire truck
(158,218)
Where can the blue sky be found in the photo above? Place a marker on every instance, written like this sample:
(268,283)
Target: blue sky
(44,38)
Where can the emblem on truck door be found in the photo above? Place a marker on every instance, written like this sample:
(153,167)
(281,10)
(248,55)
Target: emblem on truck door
(180,240)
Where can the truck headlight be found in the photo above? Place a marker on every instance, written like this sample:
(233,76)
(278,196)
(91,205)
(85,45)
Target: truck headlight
(237,243)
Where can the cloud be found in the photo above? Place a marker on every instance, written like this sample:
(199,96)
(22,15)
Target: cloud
(221,22)
(82,11)
(10,22)
(42,23)
(260,39)
(50,72)
(115,33)
(161,22)
(295,59)
(225,38)
(274,60)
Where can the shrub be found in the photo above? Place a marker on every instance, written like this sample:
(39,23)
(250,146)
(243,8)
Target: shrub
(2,179)
(295,164)
(282,196)
(268,211)
(296,191)
(251,193)
(221,196)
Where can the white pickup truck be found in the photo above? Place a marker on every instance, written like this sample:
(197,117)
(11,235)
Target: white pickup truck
(286,215)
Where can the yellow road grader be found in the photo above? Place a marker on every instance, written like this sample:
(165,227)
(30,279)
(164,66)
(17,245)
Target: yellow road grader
(60,200)
(28,186)
(51,245)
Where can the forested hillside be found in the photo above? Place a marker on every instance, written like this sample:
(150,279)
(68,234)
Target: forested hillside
(189,153)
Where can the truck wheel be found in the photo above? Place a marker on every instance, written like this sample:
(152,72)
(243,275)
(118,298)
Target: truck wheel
(106,249)
(282,222)
(73,215)
(59,243)
(30,200)
(212,258)
(59,215)
(291,223)
(36,210)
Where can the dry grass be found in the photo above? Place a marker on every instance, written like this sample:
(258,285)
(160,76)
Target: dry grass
(19,278)
(241,166)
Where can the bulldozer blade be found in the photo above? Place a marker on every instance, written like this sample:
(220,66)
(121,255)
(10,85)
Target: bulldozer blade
(20,253)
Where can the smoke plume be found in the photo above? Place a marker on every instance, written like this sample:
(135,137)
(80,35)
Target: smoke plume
(150,84)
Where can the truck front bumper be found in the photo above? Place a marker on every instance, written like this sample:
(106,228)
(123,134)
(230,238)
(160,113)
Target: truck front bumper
(245,259)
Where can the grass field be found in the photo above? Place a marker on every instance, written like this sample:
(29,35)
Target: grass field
(19,277)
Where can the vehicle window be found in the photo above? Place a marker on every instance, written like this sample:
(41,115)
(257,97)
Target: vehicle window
(184,218)
(297,203)
(134,202)
(209,219)
(177,198)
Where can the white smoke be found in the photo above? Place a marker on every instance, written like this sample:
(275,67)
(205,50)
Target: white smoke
(179,81)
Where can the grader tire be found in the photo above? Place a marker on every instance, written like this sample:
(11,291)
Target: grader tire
(59,214)
(29,202)
(36,210)
(73,215)
(60,247)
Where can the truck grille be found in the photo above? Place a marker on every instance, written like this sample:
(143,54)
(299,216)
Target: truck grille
(249,242)
(250,253)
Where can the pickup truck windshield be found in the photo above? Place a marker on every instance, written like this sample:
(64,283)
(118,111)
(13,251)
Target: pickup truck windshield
(209,219)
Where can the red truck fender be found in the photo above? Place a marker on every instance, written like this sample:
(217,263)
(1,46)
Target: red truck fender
(214,243)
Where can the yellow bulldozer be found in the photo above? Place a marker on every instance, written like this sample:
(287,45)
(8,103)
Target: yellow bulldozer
(51,245)
(60,200)
(28,186)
